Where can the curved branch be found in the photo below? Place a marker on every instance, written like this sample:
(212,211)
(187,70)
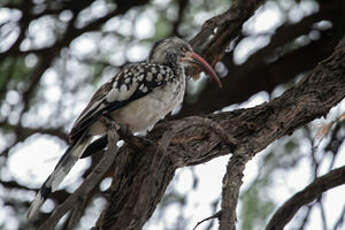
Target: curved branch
(142,176)
(138,184)
(257,74)
(285,213)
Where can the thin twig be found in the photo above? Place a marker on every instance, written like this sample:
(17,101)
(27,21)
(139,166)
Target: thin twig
(217,215)
(323,213)
(340,221)
(306,217)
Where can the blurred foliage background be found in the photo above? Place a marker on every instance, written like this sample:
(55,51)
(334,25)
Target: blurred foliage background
(54,54)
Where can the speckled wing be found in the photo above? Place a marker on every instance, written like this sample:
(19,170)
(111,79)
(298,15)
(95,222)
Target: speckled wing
(133,82)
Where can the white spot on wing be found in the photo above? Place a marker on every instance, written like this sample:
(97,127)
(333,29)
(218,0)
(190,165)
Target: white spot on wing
(159,77)
(143,88)
(123,88)
(153,70)
(141,69)
(149,76)
(112,95)
(125,92)
(141,77)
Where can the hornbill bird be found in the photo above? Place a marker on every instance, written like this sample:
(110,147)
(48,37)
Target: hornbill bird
(138,97)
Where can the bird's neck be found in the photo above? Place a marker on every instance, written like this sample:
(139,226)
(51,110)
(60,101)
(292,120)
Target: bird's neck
(176,68)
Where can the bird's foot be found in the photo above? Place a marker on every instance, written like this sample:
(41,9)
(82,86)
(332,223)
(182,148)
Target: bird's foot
(139,143)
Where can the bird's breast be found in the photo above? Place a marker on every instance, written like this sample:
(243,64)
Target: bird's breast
(142,114)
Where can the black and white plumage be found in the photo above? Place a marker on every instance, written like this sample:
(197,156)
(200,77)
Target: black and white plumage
(138,96)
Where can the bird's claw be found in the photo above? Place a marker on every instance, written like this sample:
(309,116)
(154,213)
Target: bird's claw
(137,142)
(124,131)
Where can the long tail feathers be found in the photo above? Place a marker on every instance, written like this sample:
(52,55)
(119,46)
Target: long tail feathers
(65,164)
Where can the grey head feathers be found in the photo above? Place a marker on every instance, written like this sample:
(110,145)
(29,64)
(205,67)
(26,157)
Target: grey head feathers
(166,51)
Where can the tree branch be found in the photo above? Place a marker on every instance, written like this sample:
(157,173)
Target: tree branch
(47,55)
(181,9)
(137,187)
(232,182)
(340,220)
(27,131)
(142,176)
(218,31)
(258,74)
(285,213)
(88,185)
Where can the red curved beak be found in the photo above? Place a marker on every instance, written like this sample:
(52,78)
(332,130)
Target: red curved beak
(195,58)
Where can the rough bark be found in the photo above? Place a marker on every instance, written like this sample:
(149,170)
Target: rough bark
(231,189)
(258,73)
(141,177)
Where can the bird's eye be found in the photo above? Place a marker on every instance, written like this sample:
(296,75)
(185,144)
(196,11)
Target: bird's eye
(183,49)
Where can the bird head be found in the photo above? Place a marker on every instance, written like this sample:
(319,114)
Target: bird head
(176,52)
